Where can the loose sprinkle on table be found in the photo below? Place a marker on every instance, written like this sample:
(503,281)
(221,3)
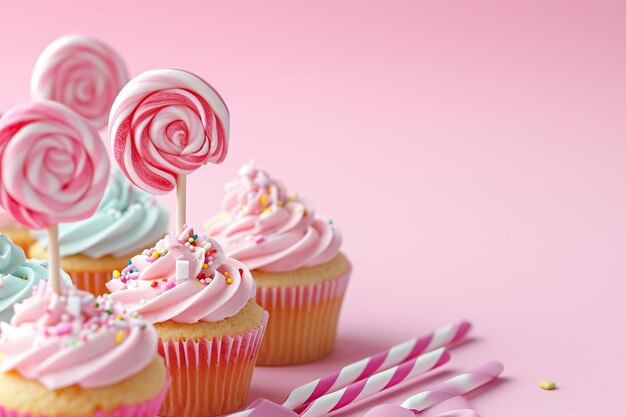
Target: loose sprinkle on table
(547,385)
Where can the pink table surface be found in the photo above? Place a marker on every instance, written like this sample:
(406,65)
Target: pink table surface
(471,152)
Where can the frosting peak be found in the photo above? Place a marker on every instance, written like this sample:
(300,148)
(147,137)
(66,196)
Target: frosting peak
(76,339)
(11,256)
(184,278)
(253,192)
(126,221)
(266,229)
(19,276)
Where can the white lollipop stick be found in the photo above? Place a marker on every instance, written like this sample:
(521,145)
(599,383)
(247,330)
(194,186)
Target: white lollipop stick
(54,276)
(181,203)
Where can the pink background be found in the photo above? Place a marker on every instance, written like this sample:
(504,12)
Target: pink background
(471,152)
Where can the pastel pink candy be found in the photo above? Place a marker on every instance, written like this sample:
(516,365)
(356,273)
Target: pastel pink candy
(165,123)
(54,165)
(453,407)
(82,73)
(265,408)
(389,410)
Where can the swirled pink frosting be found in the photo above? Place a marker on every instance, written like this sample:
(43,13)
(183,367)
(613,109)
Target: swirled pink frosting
(267,230)
(185,279)
(76,339)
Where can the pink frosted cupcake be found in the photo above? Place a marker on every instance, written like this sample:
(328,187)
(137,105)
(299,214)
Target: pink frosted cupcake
(295,259)
(203,308)
(78,356)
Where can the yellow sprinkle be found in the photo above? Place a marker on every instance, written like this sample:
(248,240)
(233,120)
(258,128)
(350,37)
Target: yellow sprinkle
(229,281)
(120,337)
(291,199)
(281,203)
(117,274)
(267,210)
(118,318)
(197,282)
(547,385)
(205,266)
(263,199)
(227,273)
(156,254)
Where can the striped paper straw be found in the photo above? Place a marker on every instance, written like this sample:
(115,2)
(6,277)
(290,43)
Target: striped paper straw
(458,385)
(376,383)
(364,368)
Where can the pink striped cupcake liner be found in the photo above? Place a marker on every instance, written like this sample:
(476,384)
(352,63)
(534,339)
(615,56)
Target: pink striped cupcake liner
(303,321)
(210,377)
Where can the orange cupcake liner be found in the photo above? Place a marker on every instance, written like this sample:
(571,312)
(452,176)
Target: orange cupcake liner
(94,282)
(303,321)
(210,377)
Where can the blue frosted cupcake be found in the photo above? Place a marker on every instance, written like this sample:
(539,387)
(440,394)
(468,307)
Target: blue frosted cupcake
(18,276)
(127,221)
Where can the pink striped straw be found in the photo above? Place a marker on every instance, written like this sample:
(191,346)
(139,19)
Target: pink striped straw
(456,386)
(376,383)
(358,371)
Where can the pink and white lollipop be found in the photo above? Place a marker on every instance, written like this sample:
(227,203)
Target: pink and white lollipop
(165,124)
(54,168)
(81,72)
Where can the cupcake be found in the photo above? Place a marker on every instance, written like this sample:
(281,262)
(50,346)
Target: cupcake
(126,221)
(20,235)
(210,327)
(77,356)
(295,260)
(19,276)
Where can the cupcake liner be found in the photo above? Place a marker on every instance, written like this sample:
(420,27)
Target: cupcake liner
(303,321)
(210,377)
(148,408)
(94,282)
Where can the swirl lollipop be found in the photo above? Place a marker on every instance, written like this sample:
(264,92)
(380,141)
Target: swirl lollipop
(54,169)
(165,124)
(82,73)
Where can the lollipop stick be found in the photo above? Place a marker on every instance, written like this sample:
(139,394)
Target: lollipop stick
(53,257)
(181,203)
